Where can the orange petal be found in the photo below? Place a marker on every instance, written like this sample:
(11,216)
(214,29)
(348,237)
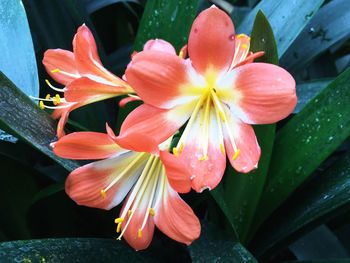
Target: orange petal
(159,45)
(126,100)
(211,41)
(138,240)
(206,169)
(263,93)
(87,90)
(87,59)
(159,78)
(59,61)
(84,184)
(175,218)
(176,172)
(152,125)
(86,146)
(245,140)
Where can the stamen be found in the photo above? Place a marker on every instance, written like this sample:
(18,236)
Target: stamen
(203,158)
(56,100)
(240,35)
(103,193)
(236,154)
(151,211)
(218,106)
(53,87)
(129,212)
(139,233)
(118,220)
(206,124)
(119,227)
(48,96)
(181,147)
(55,70)
(222,148)
(245,46)
(175,152)
(41,105)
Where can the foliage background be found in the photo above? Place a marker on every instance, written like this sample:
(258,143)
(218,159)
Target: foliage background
(294,207)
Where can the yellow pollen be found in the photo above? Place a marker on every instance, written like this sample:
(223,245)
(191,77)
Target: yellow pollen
(41,105)
(118,220)
(203,158)
(56,100)
(55,70)
(103,193)
(48,96)
(181,54)
(151,211)
(175,152)
(181,147)
(139,233)
(245,46)
(235,156)
(129,213)
(119,227)
(240,35)
(222,148)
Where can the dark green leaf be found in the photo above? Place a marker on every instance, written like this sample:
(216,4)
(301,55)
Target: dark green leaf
(308,90)
(215,246)
(323,198)
(320,261)
(48,191)
(17,60)
(330,25)
(68,250)
(287,19)
(24,119)
(239,194)
(306,141)
(168,20)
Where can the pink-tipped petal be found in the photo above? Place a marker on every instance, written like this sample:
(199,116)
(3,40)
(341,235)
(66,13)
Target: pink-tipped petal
(206,169)
(160,79)
(261,93)
(86,146)
(153,125)
(211,42)
(159,45)
(122,103)
(176,172)
(57,62)
(87,90)
(244,137)
(87,59)
(84,184)
(175,218)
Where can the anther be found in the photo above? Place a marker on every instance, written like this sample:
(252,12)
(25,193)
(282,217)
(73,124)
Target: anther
(236,154)
(129,213)
(222,148)
(41,105)
(240,35)
(245,46)
(119,227)
(103,193)
(55,70)
(119,220)
(203,158)
(175,152)
(181,147)
(151,211)
(56,100)
(139,233)
(48,96)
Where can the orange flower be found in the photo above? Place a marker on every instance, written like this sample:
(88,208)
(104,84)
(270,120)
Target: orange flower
(218,90)
(85,79)
(148,180)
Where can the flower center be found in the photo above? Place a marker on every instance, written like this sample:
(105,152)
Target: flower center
(210,110)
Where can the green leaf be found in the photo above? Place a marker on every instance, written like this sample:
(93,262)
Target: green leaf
(48,191)
(322,199)
(215,246)
(306,141)
(167,19)
(17,60)
(287,18)
(239,194)
(69,250)
(24,119)
(329,26)
(308,90)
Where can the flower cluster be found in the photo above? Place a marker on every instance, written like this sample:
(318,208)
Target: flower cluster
(215,93)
